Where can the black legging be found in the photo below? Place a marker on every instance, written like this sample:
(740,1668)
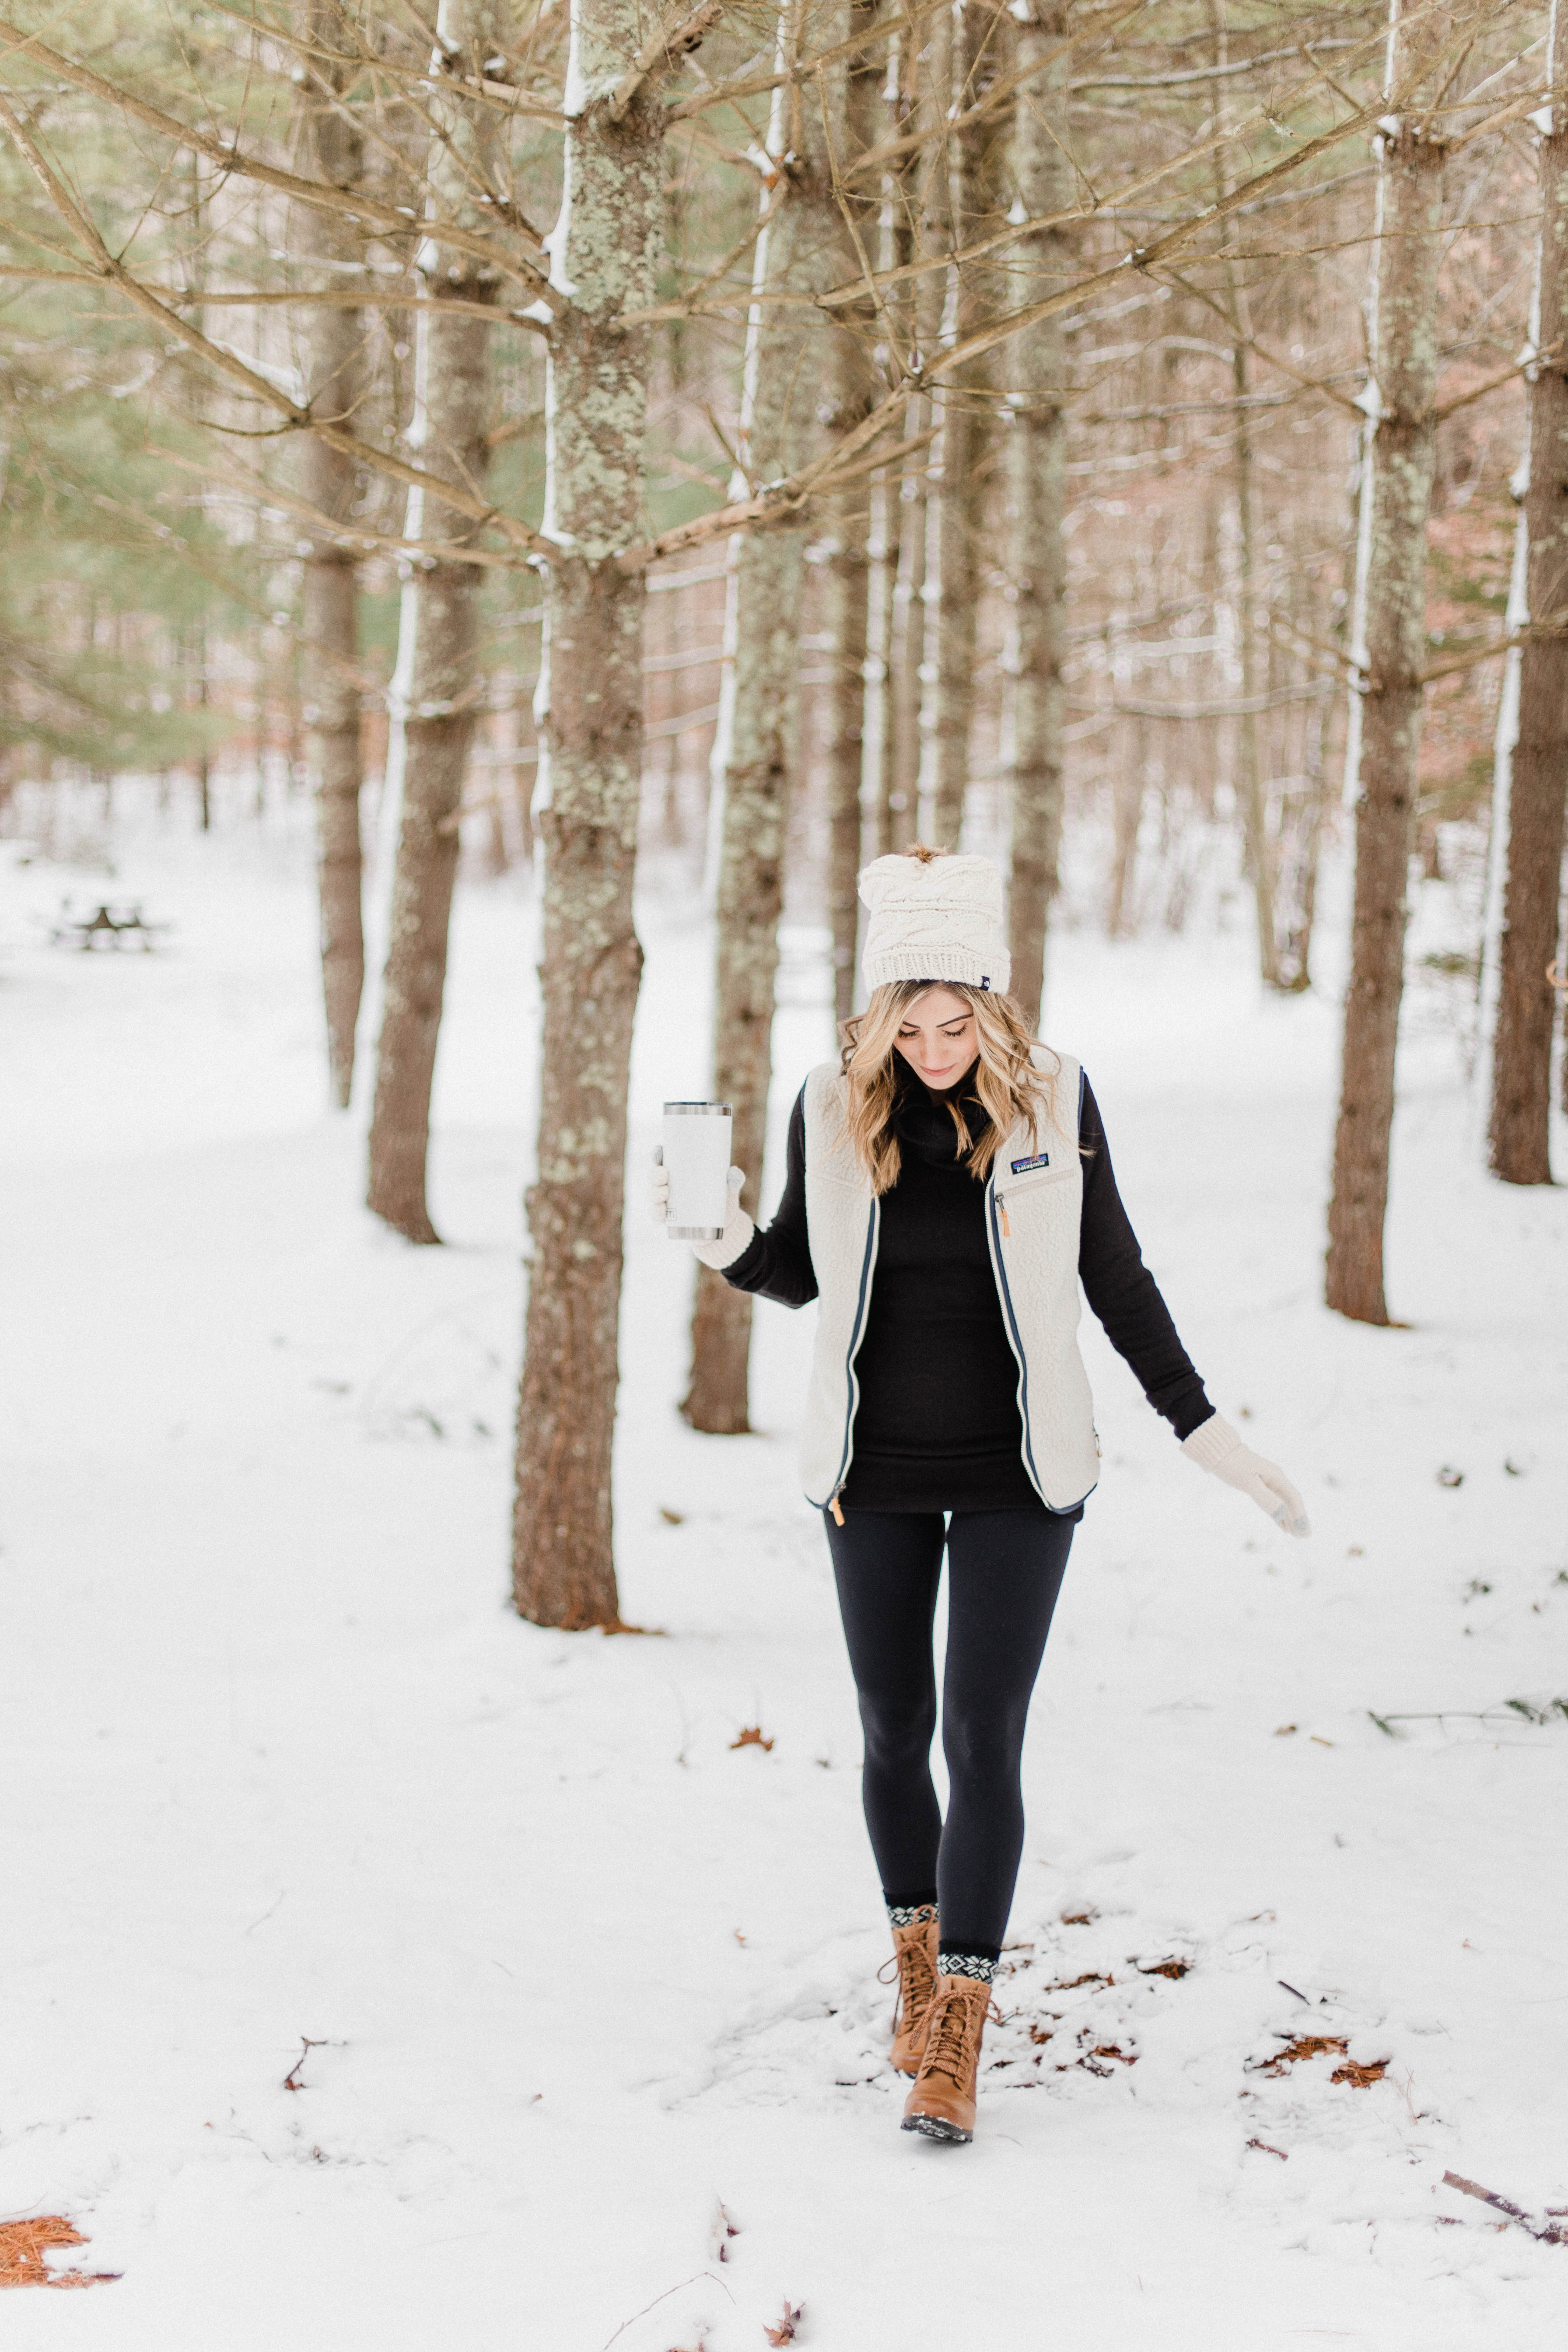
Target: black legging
(1004,1570)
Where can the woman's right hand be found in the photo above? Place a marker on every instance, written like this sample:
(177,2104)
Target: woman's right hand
(738,1227)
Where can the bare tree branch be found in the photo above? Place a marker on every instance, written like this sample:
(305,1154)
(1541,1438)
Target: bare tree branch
(324,298)
(256,487)
(1495,383)
(1267,115)
(226,364)
(1270,359)
(664,47)
(365,211)
(753,85)
(779,499)
(521,101)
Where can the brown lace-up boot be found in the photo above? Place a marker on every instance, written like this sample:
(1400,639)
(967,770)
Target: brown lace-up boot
(941,2104)
(914,1958)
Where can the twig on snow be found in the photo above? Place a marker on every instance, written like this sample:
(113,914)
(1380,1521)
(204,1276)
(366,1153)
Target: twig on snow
(1549,2236)
(293,2079)
(664,2298)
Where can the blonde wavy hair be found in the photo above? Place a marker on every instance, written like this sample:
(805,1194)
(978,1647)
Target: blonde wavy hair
(1009,1085)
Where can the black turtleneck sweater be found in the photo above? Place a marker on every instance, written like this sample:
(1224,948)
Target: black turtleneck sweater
(938,1426)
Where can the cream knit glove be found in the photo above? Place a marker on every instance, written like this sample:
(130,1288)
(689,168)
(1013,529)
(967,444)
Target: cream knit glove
(736,1238)
(1215,1445)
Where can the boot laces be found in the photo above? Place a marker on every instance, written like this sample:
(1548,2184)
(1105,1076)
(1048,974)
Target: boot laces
(916,1974)
(953,2035)
(916,1978)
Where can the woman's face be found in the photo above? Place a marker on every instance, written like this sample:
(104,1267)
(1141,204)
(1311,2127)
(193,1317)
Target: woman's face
(937,1038)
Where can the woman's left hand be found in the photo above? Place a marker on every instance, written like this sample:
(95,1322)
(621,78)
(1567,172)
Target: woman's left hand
(1215,1445)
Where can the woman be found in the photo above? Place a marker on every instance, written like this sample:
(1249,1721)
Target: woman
(949,1188)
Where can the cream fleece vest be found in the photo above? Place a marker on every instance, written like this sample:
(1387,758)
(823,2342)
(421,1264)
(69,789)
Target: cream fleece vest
(1034,1199)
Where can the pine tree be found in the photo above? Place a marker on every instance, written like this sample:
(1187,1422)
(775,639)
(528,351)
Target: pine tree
(799,254)
(1521,1054)
(604,248)
(1035,458)
(1396,491)
(438,681)
(328,147)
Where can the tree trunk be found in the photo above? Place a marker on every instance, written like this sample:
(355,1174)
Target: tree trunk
(329,149)
(1397,488)
(952,570)
(1127,812)
(1251,786)
(882,558)
(440,610)
(605,249)
(203,757)
(1035,491)
(895,245)
(1521,1053)
(899,785)
(849,570)
(800,251)
(846,614)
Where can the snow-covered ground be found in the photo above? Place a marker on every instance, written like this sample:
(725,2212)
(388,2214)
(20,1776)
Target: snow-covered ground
(581,1985)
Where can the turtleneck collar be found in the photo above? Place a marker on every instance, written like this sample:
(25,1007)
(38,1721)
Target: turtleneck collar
(924,1122)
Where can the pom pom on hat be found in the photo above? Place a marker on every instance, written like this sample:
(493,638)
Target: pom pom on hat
(934,917)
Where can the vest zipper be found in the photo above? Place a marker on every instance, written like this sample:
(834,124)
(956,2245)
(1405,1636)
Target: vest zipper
(866,1262)
(999,1272)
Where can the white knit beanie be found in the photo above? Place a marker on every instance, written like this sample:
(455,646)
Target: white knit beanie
(934,919)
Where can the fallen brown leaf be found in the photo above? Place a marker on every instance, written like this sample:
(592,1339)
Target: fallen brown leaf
(1306,2046)
(22,2245)
(1175,1969)
(752,1738)
(785,2332)
(1359,2077)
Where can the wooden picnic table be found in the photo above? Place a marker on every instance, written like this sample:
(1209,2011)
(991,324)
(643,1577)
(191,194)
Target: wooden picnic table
(110,927)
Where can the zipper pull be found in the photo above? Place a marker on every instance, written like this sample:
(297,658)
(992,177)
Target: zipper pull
(837,1514)
(1002,1213)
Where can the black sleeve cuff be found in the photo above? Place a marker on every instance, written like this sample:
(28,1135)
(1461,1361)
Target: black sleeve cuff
(747,1269)
(1188,1412)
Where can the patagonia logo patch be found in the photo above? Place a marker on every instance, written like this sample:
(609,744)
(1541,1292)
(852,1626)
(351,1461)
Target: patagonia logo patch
(1021,1166)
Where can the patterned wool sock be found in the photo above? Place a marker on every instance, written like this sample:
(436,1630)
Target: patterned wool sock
(903,1910)
(976,1960)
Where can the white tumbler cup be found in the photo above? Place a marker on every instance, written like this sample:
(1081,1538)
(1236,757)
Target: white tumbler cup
(697,1161)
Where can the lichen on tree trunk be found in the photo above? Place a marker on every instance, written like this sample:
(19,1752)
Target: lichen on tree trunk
(605,250)
(1521,1054)
(1397,491)
(440,666)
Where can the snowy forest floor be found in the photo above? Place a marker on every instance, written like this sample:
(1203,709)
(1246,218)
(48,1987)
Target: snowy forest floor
(571,1969)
